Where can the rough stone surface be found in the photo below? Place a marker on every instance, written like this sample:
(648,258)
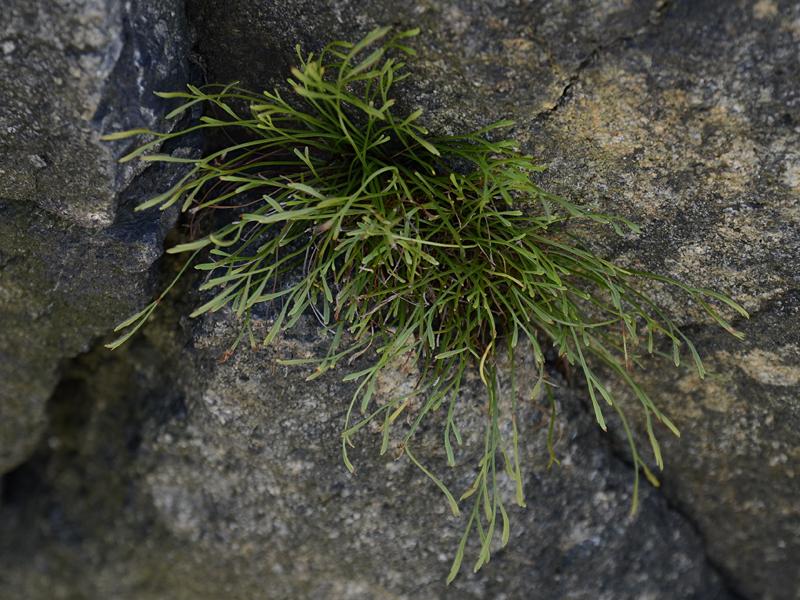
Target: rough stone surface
(73,70)
(684,117)
(165,473)
(231,485)
(478,61)
(693,130)
(74,259)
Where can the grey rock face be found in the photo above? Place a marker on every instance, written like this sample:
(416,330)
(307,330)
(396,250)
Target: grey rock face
(693,130)
(168,474)
(234,487)
(684,117)
(478,61)
(74,259)
(72,71)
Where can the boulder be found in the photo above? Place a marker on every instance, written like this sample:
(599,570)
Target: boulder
(693,130)
(173,474)
(74,258)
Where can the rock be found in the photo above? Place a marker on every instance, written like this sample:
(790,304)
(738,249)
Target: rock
(693,130)
(74,259)
(73,71)
(684,117)
(478,61)
(734,470)
(164,473)
(232,485)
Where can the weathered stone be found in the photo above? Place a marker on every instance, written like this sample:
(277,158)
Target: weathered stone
(72,71)
(234,487)
(734,471)
(693,131)
(74,259)
(477,61)
(168,474)
(683,117)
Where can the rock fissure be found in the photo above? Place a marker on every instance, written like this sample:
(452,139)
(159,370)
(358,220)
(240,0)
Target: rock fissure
(729,584)
(657,16)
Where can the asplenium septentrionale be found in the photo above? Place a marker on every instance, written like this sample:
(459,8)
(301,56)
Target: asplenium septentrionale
(403,243)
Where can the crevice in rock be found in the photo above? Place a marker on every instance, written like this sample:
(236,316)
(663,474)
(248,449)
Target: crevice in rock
(618,452)
(660,11)
(85,465)
(144,234)
(68,412)
(566,92)
(730,586)
(657,16)
(66,408)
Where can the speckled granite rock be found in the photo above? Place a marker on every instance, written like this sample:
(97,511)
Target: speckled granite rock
(231,485)
(478,61)
(685,117)
(168,475)
(693,130)
(73,258)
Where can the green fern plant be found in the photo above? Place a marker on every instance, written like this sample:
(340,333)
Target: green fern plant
(408,244)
